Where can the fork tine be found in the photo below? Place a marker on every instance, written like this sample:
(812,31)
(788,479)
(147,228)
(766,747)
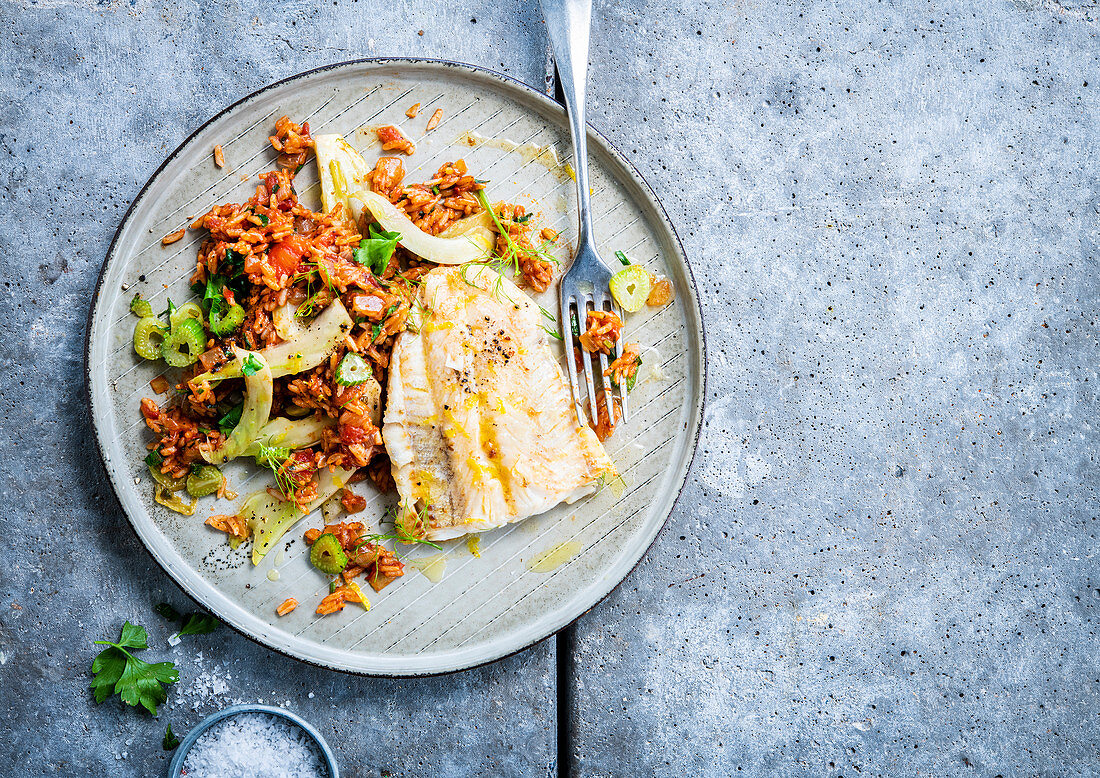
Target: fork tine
(619,351)
(567,302)
(605,304)
(582,306)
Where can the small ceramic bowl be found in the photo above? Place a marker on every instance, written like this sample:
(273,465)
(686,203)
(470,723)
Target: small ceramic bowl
(327,756)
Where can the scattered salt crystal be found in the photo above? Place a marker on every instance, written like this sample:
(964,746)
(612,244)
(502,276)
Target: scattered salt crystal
(311,695)
(252,744)
(174,639)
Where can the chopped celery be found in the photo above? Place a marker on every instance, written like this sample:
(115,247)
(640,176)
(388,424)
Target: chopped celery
(223,323)
(327,555)
(140,307)
(184,312)
(205,480)
(172,501)
(184,344)
(148,337)
(165,480)
(352,370)
(630,287)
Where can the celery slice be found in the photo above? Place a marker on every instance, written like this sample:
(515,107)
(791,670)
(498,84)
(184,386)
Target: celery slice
(630,287)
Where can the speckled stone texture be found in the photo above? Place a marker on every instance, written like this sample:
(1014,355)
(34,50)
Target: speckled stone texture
(885,563)
(93,98)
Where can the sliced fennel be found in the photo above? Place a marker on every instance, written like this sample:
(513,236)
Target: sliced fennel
(329,482)
(270,518)
(286,323)
(342,170)
(343,173)
(471,245)
(258,393)
(304,352)
(481,222)
(289,433)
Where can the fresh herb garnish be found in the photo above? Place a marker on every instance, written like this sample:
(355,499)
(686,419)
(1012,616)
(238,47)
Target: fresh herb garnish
(153,458)
(168,612)
(193,623)
(230,420)
(117,671)
(375,251)
(273,458)
(435,189)
(198,624)
(263,219)
(408,540)
(170,740)
(234,262)
(522,219)
(251,366)
(512,251)
(622,257)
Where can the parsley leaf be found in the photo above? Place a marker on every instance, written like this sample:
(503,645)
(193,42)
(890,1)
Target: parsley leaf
(230,420)
(194,623)
(153,458)
(522,219)
(376,250)
(198,624)
(170,740)
(117,671)
(250,366)
(168,612)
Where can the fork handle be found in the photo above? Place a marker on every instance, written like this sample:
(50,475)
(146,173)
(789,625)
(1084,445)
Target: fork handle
(568,23)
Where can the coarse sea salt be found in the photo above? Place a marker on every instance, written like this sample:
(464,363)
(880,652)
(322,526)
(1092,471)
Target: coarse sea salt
(254,745)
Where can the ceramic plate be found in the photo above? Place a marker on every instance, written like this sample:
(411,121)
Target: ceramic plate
(483,607)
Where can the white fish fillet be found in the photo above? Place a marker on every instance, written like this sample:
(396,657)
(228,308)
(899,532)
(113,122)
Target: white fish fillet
(479,422)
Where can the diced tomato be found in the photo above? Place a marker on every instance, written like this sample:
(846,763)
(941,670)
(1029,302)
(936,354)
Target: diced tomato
(355,429)
(286,255)
(350,433)
(352,502)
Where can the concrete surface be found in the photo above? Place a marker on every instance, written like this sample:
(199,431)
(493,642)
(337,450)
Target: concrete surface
(885,561)
(92,99)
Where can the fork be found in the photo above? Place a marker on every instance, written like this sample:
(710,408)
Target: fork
(587,281)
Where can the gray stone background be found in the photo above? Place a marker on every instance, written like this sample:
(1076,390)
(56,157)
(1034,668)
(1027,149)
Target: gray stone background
(885,561)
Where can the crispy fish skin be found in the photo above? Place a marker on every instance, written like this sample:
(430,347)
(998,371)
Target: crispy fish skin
(479,421)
